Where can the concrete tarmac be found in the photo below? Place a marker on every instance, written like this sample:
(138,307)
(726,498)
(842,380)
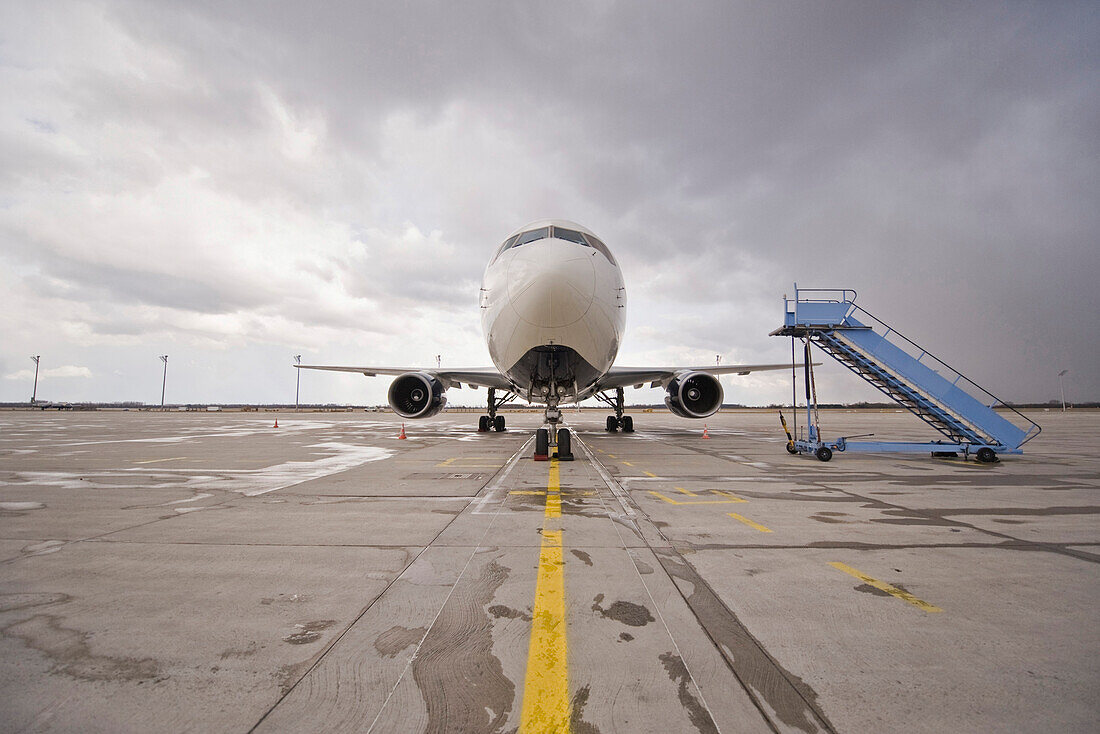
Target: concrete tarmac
(209,572)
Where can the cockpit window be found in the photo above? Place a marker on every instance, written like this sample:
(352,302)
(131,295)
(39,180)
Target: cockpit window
(561,233)
(507,243)
(531,236)
(602,248)
(569,235)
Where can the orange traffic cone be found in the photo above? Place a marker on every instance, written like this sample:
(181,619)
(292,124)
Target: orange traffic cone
(276,423)
(402,434)
(705,434)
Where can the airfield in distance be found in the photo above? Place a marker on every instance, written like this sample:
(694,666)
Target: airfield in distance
(206,571)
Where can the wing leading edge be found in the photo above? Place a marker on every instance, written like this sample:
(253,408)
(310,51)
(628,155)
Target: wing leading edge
(474,377)
(661,376)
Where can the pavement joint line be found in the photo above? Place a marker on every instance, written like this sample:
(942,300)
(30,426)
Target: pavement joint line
(492,487)
(749,522)
(888,588)
(623,501)
(157,461)
(752,694)
(545,706)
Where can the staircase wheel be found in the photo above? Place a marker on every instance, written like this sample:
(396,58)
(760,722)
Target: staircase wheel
(824,453)
(791,449)
(987,455)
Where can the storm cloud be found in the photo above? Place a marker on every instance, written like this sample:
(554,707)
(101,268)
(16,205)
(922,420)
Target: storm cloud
(235,183)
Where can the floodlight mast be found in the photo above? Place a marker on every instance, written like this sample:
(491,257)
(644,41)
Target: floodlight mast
(164,380)
(34,393)
(1062,388)
(297,381)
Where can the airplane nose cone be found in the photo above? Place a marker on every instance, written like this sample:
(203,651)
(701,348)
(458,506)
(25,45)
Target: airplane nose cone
(551,284)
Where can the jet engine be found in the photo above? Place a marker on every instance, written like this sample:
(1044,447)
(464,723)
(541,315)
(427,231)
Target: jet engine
(417,395)
(694,394)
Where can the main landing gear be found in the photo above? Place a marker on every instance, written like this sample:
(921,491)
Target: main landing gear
(617,421)
(493,422)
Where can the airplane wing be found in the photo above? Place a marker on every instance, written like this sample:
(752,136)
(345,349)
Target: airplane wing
(661,376)
(474,377)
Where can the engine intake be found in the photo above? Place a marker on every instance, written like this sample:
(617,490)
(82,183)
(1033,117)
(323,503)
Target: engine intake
(694,395)
(417,395)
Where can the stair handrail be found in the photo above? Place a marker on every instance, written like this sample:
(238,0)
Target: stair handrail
(1034,428)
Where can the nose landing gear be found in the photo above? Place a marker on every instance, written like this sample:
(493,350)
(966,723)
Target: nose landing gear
(549,439)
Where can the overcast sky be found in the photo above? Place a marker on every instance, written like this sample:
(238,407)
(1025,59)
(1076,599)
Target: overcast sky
(235,183)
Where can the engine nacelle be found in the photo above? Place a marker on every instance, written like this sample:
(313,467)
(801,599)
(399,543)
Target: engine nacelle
(694,394)
(417,395)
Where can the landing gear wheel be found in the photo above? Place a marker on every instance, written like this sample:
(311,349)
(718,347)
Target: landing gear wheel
(791,449)
(542,444)
(565,449)
(824,453)
(986,455)
(498,423)
(482,424)
(628,424)
(612,423)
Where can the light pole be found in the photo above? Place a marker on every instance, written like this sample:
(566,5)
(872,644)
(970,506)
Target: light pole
(34,394)
(164,380)
(1062,388)
(297,381)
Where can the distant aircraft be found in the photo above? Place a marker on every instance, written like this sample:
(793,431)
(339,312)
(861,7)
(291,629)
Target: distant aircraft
(553,309)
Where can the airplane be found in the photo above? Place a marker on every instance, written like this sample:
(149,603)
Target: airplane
(553,310)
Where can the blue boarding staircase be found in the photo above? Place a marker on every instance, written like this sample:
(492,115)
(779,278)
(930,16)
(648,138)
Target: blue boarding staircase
(965,413)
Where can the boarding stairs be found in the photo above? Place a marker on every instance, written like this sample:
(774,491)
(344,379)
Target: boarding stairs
(965,413)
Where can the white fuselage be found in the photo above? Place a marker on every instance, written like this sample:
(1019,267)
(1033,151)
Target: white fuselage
(553,310)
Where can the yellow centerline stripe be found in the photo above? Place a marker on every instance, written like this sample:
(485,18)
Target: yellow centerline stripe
(882,585)
(749,522)
(546,685)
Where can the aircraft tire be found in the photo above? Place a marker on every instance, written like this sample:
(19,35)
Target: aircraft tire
(565,446)
(628,424)
(612,424)
(482,423)
(498,423)
(542,444)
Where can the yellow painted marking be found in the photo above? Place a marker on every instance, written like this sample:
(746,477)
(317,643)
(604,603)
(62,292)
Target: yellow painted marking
(648,473)
(723,493)
(611,456)
(627,463)
(528,491)
(546,684)
(689,494)
(671,501)
(157,461)
(749,522)
(882,585)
